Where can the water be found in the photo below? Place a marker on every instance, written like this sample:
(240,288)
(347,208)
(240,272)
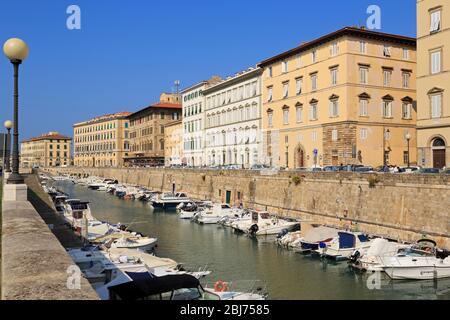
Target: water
(237,258)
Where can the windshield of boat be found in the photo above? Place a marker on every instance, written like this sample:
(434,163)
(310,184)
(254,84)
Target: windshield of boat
(187,294)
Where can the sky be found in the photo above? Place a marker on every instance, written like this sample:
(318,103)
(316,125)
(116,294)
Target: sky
(128,52)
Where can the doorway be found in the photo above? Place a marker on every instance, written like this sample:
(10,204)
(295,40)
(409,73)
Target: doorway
(299,157)
(439,153)
(228,197)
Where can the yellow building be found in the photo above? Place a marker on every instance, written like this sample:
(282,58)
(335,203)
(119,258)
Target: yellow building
(48,150)
(102,141)
(173,143)
(433,83)
(147,132)
(345,98)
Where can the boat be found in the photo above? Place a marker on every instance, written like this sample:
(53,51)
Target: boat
(146,286)
(169,200)
(262,223)
(216,213)
(133,242)
(418,262)
(343,246)
(314,237)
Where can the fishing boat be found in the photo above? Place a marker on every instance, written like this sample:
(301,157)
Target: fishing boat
(169,200)
(345,244)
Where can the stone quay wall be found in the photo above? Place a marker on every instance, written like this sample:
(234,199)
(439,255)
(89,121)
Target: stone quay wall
(401,207)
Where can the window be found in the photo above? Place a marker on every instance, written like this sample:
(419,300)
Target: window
(387,75)
(298,86)
(269,94)
(436,61)
(363,107)
(299,113)
(406,77)
(334,108)
(314,136)
(284,67)
(334,49)
(436,106)
(299,61)
(334,76)
(314,56)
(405,157)
(363,75)
(334,135)
(162,115)
(314,82)
(405,54)
(270,119)
(269,72)
(313,111)
(406,110)
(386,51)
(286,116)
(363,47)
(387,108)
(363,134)
(435,24)
(285,90)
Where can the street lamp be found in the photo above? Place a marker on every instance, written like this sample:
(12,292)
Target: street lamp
(8,125)
(287,157)
(385,138)
(408,139)
(16,50)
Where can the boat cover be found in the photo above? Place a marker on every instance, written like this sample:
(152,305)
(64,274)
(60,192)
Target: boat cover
(346,240)
(321,233)
(144,285)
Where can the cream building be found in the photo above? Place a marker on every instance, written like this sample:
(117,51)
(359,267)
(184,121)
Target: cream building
(193,102)
(147,133)
(173,143)
(49,150)
(102,141)
(233,120)
(345,98)
(433,83)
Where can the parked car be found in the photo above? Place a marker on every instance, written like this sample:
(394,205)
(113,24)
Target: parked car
(332,168)
(410,169)
(428,171)
(363,169)
(259,167)
(447,171)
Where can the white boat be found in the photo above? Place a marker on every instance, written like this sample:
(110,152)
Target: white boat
(380,248)
(345,244)
(216,213)
(141,243)
(314,237)
(169,200)
(262,223)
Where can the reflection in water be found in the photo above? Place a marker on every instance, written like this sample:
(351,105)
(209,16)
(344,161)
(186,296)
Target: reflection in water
(240,259)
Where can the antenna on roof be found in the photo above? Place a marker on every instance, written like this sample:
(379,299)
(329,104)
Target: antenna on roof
(177,86)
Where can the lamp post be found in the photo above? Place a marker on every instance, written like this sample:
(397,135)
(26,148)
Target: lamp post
(6,155)
(287,157)
(385,138)
(16,50)
(408,139)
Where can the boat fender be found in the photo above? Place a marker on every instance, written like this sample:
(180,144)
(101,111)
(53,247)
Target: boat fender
(322,245)
(254,229)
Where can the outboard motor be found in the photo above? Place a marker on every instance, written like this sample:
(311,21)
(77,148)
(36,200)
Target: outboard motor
(282,233)
(253,229)
(355,256)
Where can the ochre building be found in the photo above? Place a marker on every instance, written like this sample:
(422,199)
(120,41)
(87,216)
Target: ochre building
(49,150)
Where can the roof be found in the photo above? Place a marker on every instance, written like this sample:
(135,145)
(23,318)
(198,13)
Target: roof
(236,78)
(359,32)
(48,137)
(161,105)
(145,284)
(105,117)
(173,123)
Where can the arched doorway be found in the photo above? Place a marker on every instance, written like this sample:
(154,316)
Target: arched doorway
(299,157)
(438,148)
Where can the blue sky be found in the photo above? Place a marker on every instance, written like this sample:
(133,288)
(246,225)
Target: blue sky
(127,52)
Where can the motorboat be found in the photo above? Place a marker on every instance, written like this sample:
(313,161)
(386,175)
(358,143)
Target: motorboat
(169,200)
(314,237)
(262,223)
(217,212)
(171,287)
(129,242)
(371,260)
(418,262)
(343,246)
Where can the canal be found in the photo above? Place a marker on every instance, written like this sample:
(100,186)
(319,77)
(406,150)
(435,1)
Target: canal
(237,258)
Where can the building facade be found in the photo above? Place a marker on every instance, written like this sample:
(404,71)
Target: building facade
(233,120)
(433,83)
(49,150)
(102,141)
(193,102)
(173,143)
(345,98)
(147,133)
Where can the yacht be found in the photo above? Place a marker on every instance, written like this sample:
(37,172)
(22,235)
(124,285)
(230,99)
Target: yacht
(262,223)
(343,246)
(216,213)
(169,200)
